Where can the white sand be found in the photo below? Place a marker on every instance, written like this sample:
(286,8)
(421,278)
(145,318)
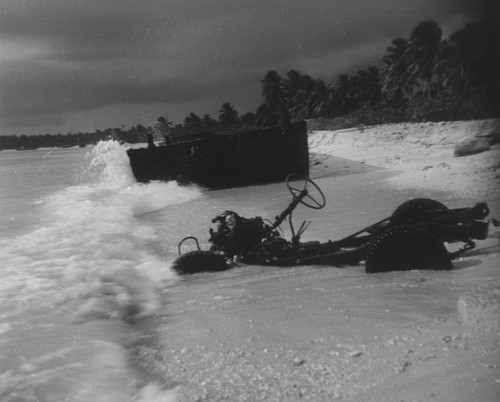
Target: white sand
(422,153)
(323,334)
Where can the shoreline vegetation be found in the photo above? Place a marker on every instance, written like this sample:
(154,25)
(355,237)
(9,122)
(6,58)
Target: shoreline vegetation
(421,78)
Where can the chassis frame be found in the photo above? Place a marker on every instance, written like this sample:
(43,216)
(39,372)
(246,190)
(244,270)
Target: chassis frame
(413,237)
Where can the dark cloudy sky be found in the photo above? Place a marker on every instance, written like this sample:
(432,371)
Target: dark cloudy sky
(80,65)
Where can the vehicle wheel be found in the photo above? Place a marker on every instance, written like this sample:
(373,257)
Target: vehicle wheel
(413,208)
(404,248)
(200,261)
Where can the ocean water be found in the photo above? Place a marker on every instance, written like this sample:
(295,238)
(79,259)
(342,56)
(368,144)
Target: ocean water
(79,261)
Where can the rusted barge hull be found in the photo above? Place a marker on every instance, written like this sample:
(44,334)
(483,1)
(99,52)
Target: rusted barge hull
(227,160)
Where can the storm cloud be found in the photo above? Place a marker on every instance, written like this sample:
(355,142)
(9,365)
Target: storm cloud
(86,64)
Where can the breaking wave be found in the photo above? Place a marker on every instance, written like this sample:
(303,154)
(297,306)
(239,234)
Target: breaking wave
(91,255)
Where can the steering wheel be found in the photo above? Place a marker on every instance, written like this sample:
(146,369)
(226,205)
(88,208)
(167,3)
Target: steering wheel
(315,201)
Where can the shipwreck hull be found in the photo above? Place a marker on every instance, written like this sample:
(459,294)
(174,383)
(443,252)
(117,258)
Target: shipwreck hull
(221,161)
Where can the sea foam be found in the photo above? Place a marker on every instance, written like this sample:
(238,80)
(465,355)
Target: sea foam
(72,288)
(93,244)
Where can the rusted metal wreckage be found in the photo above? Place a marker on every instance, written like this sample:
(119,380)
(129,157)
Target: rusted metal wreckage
(413,237)
(218,160)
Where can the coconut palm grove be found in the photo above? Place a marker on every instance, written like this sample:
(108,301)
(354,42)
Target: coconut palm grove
(421,78)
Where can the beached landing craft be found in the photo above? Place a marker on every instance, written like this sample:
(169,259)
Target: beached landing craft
(413,237)
(219,160)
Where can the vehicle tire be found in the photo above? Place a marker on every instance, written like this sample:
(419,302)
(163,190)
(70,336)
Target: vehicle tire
(413,208)
(404,248)
(200,261)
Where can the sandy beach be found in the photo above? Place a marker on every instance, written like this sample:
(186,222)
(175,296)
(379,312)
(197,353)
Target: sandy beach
(422,154)
(323,333)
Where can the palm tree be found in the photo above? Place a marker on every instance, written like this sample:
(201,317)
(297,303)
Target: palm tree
(471,58)
(291,83)
(228,116)
(301,99)
(164,122)
(343,93)
(248,119)
(291,88)
(274,96)
(487,55)
(193,123)
(422,54)
(320,100)
(394,80)
(162,128)
(208,122)
(265,117)
(366,86)
(272,90)
(454,69)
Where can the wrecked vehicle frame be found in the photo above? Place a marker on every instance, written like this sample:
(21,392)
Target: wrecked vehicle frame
(413,237)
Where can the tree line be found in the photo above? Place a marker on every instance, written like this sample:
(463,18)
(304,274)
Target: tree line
(421,78)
